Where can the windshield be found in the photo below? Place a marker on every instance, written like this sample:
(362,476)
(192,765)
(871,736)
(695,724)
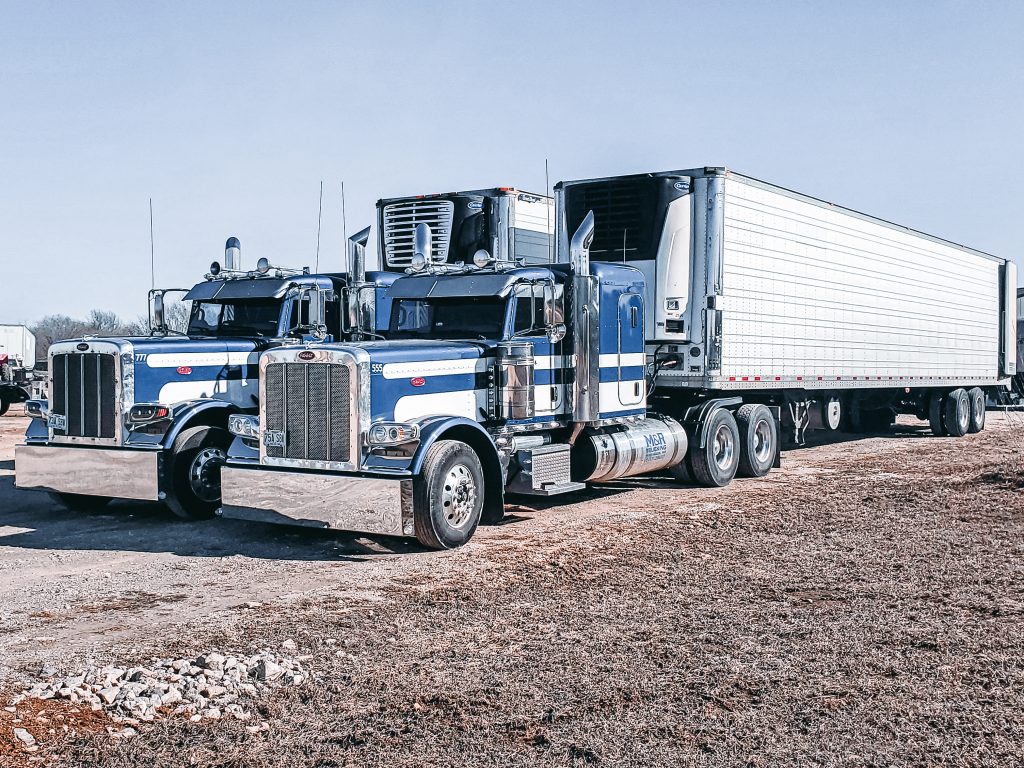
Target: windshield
(463,317)
(239,318)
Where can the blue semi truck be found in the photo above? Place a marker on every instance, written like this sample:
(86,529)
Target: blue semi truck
(495,378)
(146,417)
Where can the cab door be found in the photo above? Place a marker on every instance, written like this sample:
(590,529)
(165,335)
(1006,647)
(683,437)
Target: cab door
(538,306)
(630,352)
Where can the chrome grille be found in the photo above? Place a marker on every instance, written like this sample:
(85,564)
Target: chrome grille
(400,220)
(84,390)
(310,404)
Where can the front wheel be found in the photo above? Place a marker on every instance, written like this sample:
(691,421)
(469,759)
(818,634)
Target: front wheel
(194,473)
(448,496)
(5,405)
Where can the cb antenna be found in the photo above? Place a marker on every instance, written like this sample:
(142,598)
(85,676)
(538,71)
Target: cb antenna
(344,228)
(152,251)
(319,218)
(547,206)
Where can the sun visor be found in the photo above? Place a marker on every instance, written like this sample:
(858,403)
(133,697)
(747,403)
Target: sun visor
(235,290)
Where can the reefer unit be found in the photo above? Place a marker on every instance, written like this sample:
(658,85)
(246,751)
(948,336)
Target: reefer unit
(753,286)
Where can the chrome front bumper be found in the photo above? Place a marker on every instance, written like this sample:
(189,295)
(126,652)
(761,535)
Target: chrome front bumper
(345,502)
(118,473)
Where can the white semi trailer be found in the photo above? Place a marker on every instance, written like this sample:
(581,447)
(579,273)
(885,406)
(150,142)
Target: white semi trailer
(831,318)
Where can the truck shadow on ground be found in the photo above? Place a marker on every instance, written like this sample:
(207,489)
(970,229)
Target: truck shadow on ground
(32,520)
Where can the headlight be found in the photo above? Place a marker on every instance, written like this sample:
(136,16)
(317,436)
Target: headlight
(392,433)
(244,425)
(146,412)
(36,409)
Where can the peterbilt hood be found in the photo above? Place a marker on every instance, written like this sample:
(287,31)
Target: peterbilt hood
(178,369)
(413,379)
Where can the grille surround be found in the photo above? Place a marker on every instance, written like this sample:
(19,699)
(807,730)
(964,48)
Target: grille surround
(92,388)
(400,220)
(310,410)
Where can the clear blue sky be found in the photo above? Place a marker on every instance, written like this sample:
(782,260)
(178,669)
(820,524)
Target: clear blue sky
(229,114)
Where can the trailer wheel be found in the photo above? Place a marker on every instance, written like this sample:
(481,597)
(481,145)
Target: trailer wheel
(448,496)
(957,413)
(78,502)
(976,396)
(195,462)
(716,463)
(936,409)
(759,440)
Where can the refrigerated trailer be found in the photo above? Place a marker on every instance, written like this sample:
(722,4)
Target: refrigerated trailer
(764,295)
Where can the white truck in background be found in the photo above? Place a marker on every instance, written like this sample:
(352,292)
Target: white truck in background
(17,361)
(761,296)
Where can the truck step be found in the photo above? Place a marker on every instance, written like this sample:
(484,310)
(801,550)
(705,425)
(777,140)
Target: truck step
(544,471)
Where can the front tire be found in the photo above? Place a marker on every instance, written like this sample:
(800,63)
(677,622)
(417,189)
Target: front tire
(957,415)
(759,440)
(5,405)
(448,496)
(78,502)
(194,473)
(716,463)
(976,396)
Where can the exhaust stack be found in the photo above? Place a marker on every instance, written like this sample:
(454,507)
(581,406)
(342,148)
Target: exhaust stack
(232,255)
(357,256)
(585,330)
(362,303)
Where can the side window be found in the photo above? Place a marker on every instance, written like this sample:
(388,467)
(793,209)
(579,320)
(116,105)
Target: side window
(332,314)
(529,320)
(300,312)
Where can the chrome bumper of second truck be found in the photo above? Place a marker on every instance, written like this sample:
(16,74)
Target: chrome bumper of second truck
(118,473)
(344,502)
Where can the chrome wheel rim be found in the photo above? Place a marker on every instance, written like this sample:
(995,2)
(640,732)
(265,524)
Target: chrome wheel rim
(724,448)
(204,474)
(963,411)
(458,496)
(763,441)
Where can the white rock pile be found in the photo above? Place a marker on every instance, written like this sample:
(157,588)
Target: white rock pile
(211,686)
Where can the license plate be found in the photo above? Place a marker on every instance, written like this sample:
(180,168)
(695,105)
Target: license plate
(58,421)
(274,438)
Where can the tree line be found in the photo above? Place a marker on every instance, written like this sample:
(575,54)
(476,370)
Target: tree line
(101,322)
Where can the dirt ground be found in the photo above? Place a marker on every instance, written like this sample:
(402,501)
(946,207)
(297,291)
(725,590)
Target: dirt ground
(864,605)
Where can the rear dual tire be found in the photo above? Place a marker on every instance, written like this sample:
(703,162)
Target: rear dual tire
(956,414)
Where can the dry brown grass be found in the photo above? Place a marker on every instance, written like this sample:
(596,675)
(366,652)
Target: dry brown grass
(867,610)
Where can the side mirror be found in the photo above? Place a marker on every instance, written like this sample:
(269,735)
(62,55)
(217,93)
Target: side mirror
(158,318)
(556,332)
